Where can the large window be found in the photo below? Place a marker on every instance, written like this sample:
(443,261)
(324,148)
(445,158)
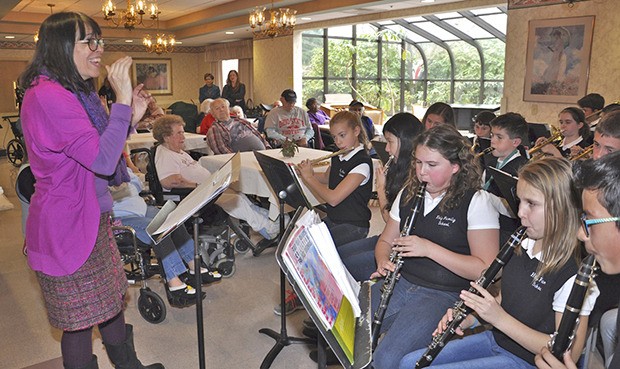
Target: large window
(455,57)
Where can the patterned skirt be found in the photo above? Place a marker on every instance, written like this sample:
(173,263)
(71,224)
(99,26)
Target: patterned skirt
(91,295)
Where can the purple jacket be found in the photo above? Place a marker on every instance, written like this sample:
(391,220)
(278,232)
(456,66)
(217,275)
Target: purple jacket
(65,152)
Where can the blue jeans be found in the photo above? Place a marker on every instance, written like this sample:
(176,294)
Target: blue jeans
(344,233)
(172,250)
(410,319)
(477,351)
(359,257)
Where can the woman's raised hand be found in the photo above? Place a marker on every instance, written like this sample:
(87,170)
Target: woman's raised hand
(139,103)
(118,75)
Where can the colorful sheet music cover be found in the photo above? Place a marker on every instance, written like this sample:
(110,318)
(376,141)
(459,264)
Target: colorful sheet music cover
(314,264)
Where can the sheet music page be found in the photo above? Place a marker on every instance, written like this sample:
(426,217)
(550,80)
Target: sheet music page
(217,183)
(312,275)
(327,249)
(302,186)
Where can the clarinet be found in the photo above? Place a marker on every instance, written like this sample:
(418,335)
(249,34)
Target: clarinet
(562,339)
(460,311)
(392,277)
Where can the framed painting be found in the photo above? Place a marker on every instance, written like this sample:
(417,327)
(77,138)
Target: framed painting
(518,4)
(558,59)
(155,74)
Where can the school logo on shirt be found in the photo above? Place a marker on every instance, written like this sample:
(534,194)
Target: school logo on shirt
(539,282)
(445,221)
(342,173)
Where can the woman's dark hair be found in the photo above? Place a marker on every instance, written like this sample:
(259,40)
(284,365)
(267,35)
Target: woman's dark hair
(309,102)
(455,148)
(580,117)
(53,55)
(443,110)
(406,127)
(228,82)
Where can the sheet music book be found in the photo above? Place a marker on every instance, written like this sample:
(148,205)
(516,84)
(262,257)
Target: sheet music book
(314,264)
(172,215)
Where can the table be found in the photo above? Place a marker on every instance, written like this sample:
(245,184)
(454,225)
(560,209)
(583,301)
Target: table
(252,180)
(193,141)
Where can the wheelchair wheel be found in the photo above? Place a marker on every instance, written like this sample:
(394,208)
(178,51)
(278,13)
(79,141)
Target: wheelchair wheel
(151,306)
(15,152)
(226,267)
(240,245)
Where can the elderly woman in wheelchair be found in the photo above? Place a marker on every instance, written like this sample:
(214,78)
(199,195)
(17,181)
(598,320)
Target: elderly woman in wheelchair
(176,252)
(177,169)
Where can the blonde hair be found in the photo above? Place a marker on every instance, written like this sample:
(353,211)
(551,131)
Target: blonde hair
(553,177)
(352,120)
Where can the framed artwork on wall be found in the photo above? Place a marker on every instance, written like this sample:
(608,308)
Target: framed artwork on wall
(558,59)
(518,4)
(155,74)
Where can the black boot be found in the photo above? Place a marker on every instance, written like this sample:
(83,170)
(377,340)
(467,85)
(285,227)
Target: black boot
(91,365)
(123,355)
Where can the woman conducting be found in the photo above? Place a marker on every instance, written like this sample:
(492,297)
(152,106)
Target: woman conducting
(75,153)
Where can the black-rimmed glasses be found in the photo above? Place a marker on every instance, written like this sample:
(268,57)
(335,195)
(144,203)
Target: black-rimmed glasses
(93,43)
(588,222)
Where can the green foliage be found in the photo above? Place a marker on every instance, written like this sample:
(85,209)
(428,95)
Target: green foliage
(345,57)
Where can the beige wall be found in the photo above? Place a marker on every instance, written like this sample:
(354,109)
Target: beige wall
(273,68)
(605,59)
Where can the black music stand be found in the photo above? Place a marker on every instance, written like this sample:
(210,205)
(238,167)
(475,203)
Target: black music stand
(172,216)
(379,147)
(507,185)
(288,189)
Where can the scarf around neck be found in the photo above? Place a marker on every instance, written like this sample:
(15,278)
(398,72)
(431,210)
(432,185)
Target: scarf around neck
(100,119)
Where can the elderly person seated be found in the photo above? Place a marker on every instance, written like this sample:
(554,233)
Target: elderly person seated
(208,119)
(153,111)
(177,169)
(176,251)
(231,134)
(289,122)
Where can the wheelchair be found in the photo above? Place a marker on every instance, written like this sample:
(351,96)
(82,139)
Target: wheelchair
(140,265)
(15,149)
(218,241)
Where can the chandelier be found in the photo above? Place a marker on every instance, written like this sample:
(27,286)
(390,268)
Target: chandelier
(132,16)
(160,43)
(281,21)
(36,35)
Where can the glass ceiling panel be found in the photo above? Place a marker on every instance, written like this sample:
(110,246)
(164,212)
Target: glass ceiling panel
(411,36)
(485,11)
(437,31)
(415,19)
(364,30)
(498,21)
(342,31)
(448,15)
(385,23)
(468,27)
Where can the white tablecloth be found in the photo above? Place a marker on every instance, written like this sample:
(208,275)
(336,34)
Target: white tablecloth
(193,141)
(252,180)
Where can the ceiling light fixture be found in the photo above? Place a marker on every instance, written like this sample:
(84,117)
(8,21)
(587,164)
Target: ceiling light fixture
(281,21)
(133,15)
(160,43)
(36,35)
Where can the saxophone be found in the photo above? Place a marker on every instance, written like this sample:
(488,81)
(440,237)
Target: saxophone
(392,277)
(562,339)
(460,311)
